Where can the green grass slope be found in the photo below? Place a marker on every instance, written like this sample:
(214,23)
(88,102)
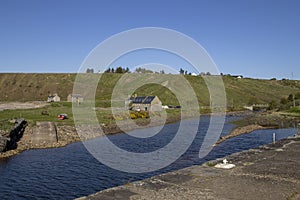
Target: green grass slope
(36,87)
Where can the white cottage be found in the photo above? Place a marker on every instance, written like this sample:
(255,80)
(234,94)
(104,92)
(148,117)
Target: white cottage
(78,98)
(53,98)
(146,103)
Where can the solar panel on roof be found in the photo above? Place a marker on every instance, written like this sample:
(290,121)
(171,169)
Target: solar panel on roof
(143,99)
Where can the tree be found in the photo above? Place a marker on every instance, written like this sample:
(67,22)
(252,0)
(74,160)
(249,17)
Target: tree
(291,97)
(89,70)
(181,71)
(162,72)
(108,70)
(119,70)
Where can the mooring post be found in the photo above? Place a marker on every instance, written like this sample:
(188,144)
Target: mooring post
(274,138)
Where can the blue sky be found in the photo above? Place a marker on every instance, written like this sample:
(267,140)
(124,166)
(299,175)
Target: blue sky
(255,38)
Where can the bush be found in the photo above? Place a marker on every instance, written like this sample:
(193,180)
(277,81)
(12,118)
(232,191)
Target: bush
(295,110)
(139,114)
(273,105)
(133,116)
(284,101)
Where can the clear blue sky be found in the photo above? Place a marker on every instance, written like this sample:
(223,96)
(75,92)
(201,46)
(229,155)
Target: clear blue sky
(255,38)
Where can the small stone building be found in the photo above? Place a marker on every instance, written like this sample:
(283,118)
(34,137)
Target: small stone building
(53,98)
(78,98)
(146,103)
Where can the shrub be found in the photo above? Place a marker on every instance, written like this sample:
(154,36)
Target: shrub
(295,110)
(273,105)
(284,101)
(139,114)
(133,116)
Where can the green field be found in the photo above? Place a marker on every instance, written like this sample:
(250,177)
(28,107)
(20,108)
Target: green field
(36,87)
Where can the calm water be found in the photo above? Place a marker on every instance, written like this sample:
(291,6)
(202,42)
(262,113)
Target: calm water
(70,172)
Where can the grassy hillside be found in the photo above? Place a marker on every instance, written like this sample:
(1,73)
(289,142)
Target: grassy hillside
(32,87)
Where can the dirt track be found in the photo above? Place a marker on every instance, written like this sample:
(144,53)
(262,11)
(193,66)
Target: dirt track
(22,105)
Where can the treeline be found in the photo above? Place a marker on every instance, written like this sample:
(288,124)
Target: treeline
(126,70)
(148,71)
(144,71)
(111,70)
(119,70)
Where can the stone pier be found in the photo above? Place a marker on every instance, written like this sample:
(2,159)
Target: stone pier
(44,132)
(270,172)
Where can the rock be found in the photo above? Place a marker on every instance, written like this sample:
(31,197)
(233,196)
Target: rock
(224,166)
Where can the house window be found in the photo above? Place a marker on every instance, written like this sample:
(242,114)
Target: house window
(146,108)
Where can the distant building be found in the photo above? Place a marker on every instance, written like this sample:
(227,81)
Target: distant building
(78,98)
(238,76)
(146,103)
(53,98)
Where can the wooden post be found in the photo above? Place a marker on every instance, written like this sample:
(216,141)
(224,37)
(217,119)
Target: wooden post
(274,138)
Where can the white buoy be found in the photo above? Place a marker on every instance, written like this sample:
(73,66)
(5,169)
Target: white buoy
(274,138)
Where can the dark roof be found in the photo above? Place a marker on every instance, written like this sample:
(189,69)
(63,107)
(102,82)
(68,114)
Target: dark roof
(142,100)
(52,95)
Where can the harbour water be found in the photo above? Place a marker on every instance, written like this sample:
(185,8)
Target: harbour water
(70,172)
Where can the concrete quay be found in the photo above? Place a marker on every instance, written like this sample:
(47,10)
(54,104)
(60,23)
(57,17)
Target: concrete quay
(269,172)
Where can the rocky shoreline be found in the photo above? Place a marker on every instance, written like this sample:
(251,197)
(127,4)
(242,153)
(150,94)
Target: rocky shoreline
(68,134)
(242,130)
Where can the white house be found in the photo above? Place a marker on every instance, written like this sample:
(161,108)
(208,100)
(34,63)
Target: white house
(53,98)
(78,98)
